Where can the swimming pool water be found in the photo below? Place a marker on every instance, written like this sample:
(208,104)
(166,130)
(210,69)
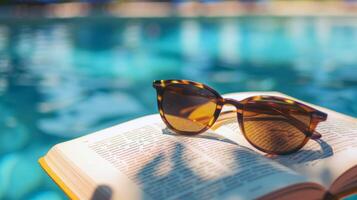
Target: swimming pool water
(61,79)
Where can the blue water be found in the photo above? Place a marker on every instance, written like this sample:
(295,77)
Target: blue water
(61,79)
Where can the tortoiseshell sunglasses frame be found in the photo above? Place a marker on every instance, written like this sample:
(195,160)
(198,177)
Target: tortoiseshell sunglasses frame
(316,116)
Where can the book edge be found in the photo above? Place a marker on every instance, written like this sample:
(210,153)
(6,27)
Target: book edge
(56,179)
(290,191)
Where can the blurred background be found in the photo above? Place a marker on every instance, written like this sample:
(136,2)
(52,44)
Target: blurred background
(68,68)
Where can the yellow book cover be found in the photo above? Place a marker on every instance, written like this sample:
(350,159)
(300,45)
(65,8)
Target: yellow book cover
(57,179)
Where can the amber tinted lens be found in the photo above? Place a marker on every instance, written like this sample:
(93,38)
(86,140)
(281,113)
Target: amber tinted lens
(188,108)
(275,128)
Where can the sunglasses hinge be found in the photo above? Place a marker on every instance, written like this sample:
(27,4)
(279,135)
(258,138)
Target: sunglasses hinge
(157,84)
(319,115)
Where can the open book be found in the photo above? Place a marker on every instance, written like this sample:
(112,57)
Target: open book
(142,159)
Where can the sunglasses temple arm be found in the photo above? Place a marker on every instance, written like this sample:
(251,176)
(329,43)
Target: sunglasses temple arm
(226,115)
(295,122)
(299,125)
(316,135)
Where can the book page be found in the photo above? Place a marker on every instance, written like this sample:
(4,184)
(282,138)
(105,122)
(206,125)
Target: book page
(142,159)
(325,159)
(321,160)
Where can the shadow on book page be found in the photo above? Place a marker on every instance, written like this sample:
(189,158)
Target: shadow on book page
(207,166)
(179,179)
(324,151)
(102,192)
(206,135)
(205,181)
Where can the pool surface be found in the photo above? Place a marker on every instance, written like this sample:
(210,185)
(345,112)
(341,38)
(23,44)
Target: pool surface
(60,79)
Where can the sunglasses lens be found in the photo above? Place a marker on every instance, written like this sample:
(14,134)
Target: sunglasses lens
(275,128)
(188,108)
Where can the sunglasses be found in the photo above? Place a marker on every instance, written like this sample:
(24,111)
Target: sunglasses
(274,125)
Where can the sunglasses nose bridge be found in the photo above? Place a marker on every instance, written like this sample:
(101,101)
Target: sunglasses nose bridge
(234,103)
